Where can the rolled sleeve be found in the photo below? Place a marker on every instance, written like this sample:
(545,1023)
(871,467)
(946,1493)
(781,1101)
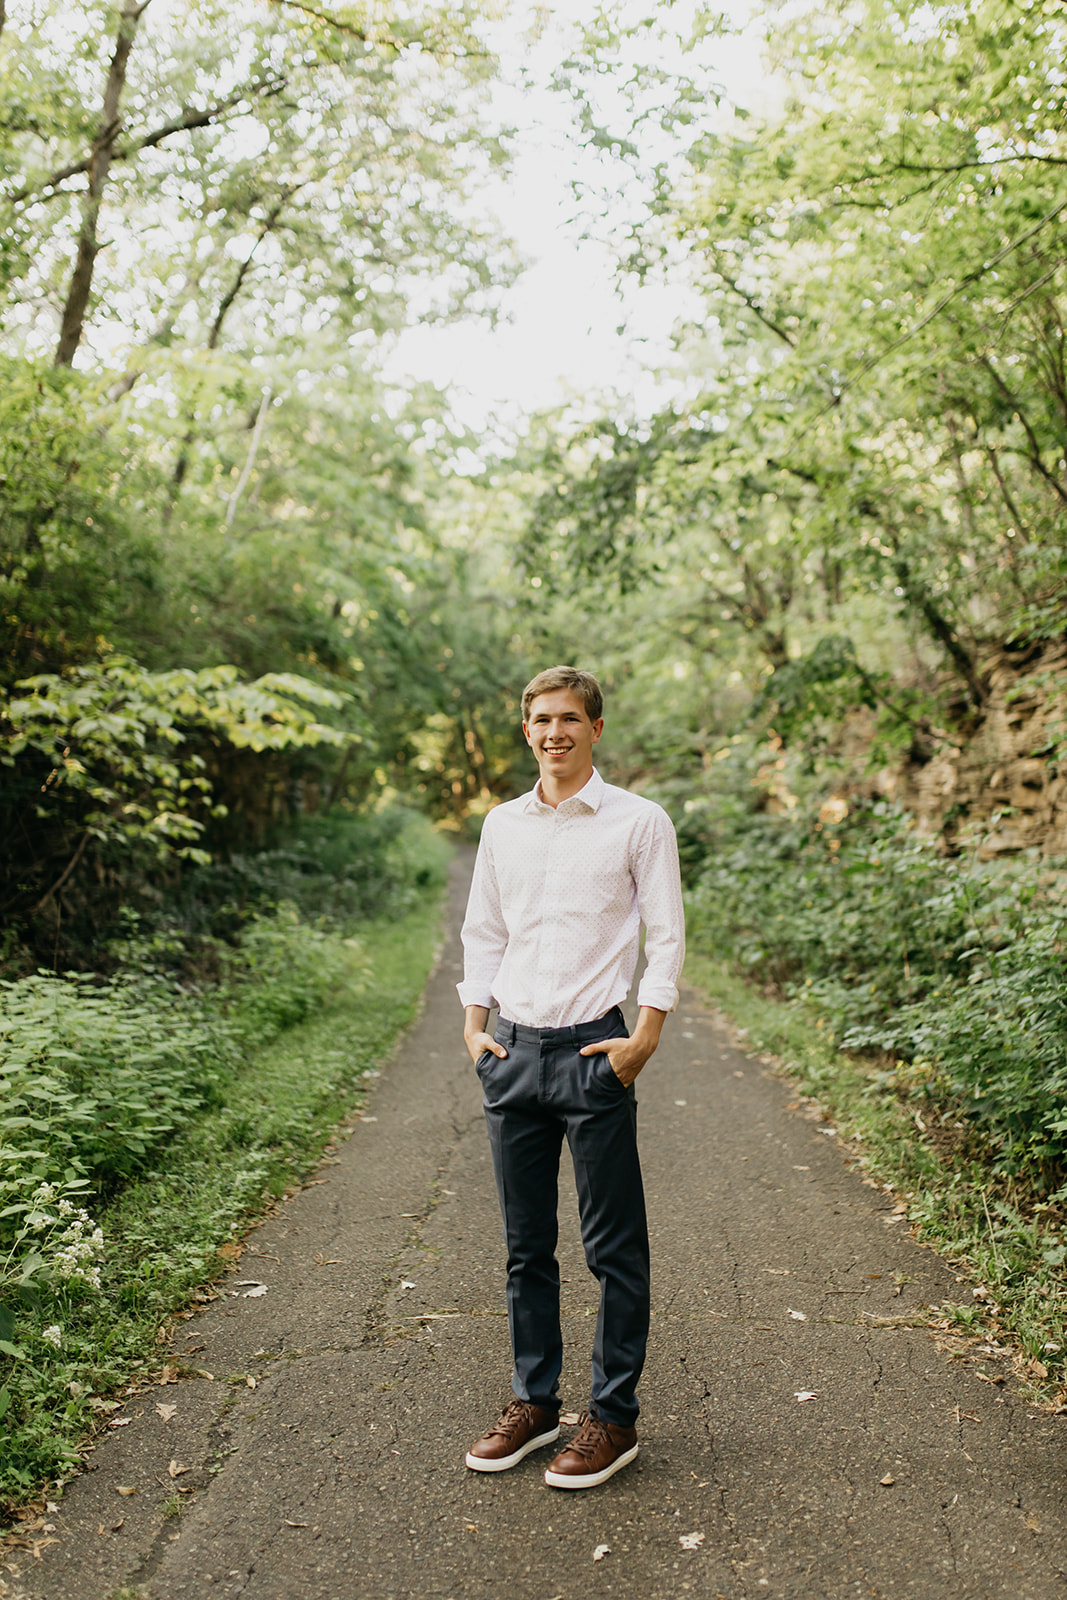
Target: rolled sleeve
(484,934)
(659,897)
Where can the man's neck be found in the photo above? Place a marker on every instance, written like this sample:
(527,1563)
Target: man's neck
(554,791)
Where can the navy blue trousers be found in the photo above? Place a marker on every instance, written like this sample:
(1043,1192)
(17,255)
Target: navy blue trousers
(542,1091)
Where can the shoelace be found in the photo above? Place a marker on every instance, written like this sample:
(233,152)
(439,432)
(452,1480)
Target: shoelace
(510,1419)
(589,1437)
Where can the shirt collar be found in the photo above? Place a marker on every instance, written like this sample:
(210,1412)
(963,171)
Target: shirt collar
(588,797)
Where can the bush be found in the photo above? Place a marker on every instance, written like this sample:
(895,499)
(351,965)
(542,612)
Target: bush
(283,968)
(953,968)
(338,865)
(94,1075)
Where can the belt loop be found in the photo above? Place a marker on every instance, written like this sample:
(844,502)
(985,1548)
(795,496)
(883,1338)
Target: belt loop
(511,1033)
(574,1033)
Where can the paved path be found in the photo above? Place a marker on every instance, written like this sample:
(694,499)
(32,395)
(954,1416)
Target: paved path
(380,1349)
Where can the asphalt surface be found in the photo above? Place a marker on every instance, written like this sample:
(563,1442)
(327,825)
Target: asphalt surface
(379,1351)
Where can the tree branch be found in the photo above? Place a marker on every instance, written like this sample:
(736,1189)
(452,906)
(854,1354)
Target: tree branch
(257,434)
(49,894)
(756,309)
(188,120)
(348,28)
(354,32)
(101,156)
(1034,454)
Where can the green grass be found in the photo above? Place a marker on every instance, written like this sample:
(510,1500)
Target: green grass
(267,1129)
(1011,1244)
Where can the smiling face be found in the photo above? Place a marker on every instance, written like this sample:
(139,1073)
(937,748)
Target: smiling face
(561,735)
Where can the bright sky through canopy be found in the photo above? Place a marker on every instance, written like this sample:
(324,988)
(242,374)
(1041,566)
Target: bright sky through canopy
(568,330)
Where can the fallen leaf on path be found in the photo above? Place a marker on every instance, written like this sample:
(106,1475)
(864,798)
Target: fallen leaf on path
(680,1102)
(326,1261)
(778,1272)
(601,1551)
(122,1489)
(797,1316)
(994,1378)
(1038,1368)
(176,1471)
(806,1394)
(406,1283)
(169,1374)
(120,1422)
(254,1294)
(230,1250)
(368,1119)
(569,1416)
(290,1524)
(251,1382)
(691,1541)
(888,1480)
(166,1412)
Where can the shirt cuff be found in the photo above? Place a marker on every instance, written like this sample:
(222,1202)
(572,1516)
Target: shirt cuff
(656,995)
(473,993)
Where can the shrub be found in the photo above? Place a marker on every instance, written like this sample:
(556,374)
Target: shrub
(952,967)
(94,1075)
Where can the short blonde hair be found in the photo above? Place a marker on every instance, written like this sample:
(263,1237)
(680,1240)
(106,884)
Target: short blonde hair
(584,685)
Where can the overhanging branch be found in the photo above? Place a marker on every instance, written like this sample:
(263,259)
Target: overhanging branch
(188,120)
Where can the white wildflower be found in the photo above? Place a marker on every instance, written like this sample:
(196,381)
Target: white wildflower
(53,1335)
(65,1208)
(45,1193)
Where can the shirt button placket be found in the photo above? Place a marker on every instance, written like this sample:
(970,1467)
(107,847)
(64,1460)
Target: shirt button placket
(546,975)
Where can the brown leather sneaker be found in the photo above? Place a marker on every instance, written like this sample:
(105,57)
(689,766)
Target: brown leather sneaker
(597,1451)
(521,1427)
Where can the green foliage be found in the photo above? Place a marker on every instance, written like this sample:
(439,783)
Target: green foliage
(954,970)
(105,769)
(96,1075)
(287,968)
(74,566)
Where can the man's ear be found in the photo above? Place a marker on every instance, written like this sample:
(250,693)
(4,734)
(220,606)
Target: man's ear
(526,733)
(598,729)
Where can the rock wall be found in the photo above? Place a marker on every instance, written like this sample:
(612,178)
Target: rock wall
(1005,785)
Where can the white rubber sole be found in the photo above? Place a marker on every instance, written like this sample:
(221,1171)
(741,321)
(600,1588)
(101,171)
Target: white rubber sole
(589,1480)
(479,1464)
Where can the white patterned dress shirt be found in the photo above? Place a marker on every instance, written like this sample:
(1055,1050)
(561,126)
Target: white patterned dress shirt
(556,906)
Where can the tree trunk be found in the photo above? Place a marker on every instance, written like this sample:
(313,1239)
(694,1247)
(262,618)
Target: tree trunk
(81,279)
(942,630)
(181,466)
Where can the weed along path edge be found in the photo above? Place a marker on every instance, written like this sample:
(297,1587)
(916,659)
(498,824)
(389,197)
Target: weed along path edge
(798,1437)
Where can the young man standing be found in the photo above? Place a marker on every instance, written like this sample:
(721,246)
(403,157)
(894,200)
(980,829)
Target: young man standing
(565,877)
